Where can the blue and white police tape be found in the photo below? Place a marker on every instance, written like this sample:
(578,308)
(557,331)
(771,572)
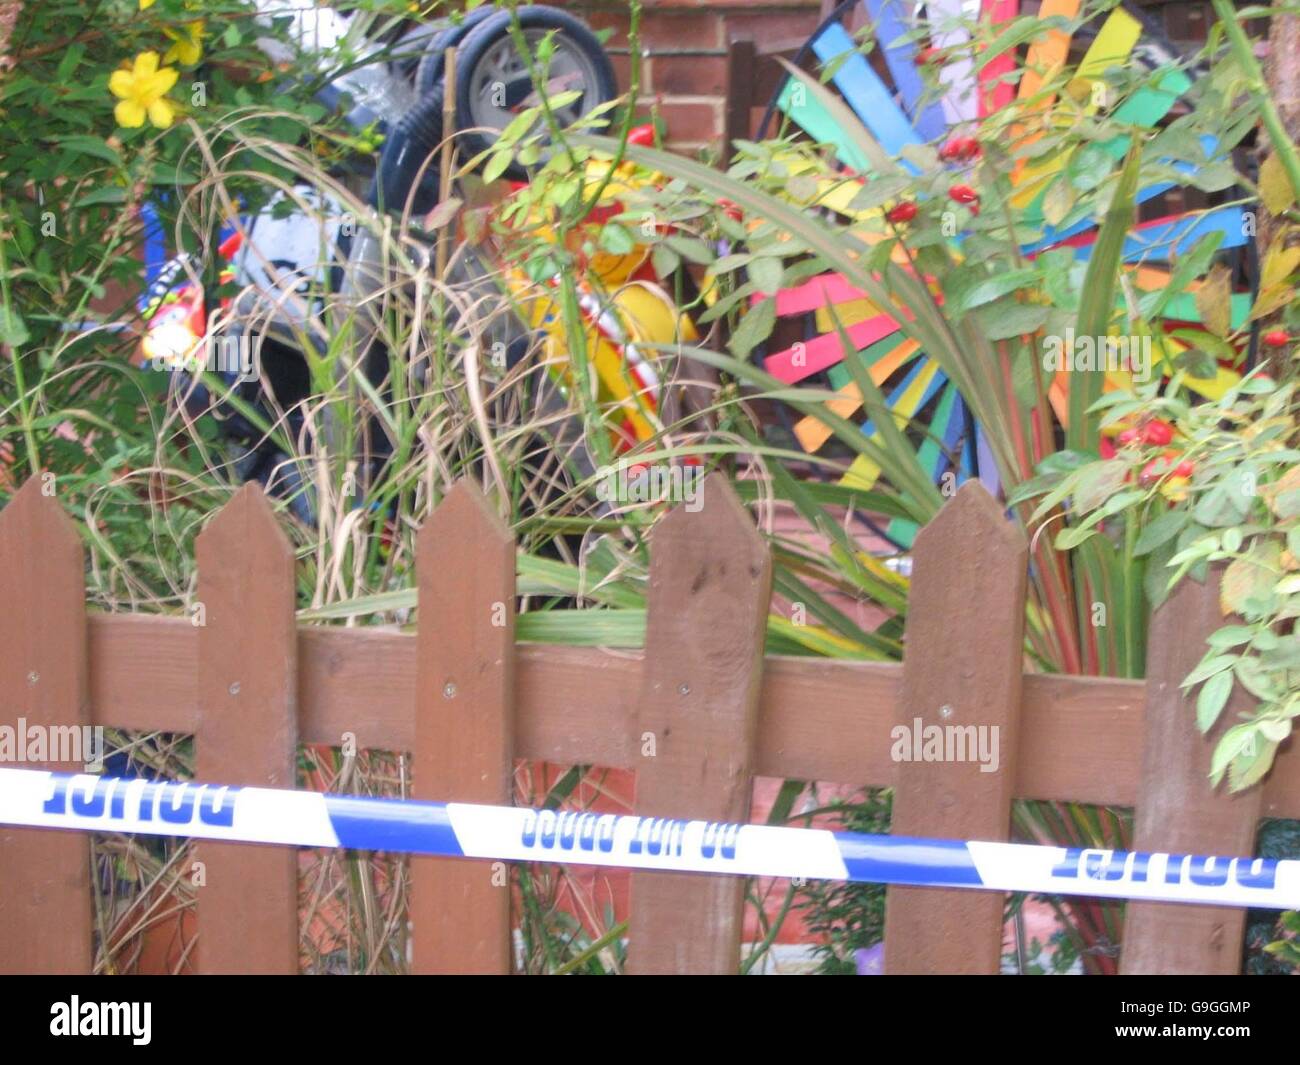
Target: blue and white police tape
(310,819)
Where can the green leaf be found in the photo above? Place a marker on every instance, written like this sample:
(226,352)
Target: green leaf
(1007,318)
(1187,268)
(1240,739)
(1154,581)
(1208,667)
(1286,655)
(1220,507)
(83,144)
(107,194)
(1212,699)
(1213,177)
(616,239)
(171,174)
(1097,482)
(1257,680)
(755,327)
(1073,536)
(1230,636)
(766,273)
(496,166)
(971,287)
(1249,767)
(584,628)
(1089,168)
(879,191)
(1057,201)
(691,249)
(1065,461)
(70,61)
(13,330)
(516,128)
(1273,729)
(1119,502)
(1163,529)
(666,261)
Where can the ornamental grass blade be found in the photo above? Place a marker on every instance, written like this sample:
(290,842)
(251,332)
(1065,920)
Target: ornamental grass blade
(1097,302)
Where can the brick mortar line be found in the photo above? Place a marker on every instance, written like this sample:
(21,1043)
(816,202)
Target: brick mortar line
(686,53)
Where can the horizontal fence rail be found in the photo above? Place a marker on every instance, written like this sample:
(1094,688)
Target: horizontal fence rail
(818,719)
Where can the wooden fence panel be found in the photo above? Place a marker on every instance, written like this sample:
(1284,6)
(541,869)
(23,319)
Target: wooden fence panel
(738,119)
(961,667)
(45,903)
(247,731)
(710,585)
(464,727)
(1176,809)
(449,695)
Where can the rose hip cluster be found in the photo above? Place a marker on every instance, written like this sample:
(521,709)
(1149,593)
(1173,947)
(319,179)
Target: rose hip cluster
(1169,469)
(954,150)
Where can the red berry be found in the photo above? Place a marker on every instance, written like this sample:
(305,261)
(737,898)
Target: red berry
(901,212)
(643,134)
(963,194)
(1128,436)
(1157,432)
(1151,473)
(959,149)
(1278,338)
(730,209)
(1185,468)
(926,56)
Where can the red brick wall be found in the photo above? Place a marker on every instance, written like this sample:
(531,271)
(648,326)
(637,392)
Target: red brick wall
(684,53)
(684,45)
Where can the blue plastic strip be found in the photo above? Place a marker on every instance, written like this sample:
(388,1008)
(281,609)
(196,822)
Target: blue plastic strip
(865,92)
(1162,242)
(900,57)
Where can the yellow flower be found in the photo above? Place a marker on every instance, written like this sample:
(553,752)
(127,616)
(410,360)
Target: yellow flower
(188,46)
(141,91)
(146,4)
(1175,488)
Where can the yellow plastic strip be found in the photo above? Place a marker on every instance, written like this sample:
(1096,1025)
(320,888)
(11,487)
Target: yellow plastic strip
(1046,56)
(812,432)
(864,473)
(851,312)
(1115,42)
(1042,61)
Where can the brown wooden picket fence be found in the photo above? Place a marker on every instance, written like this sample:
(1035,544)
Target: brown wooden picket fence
(467,701)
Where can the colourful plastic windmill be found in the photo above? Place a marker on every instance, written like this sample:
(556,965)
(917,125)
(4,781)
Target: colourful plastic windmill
(915,95)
